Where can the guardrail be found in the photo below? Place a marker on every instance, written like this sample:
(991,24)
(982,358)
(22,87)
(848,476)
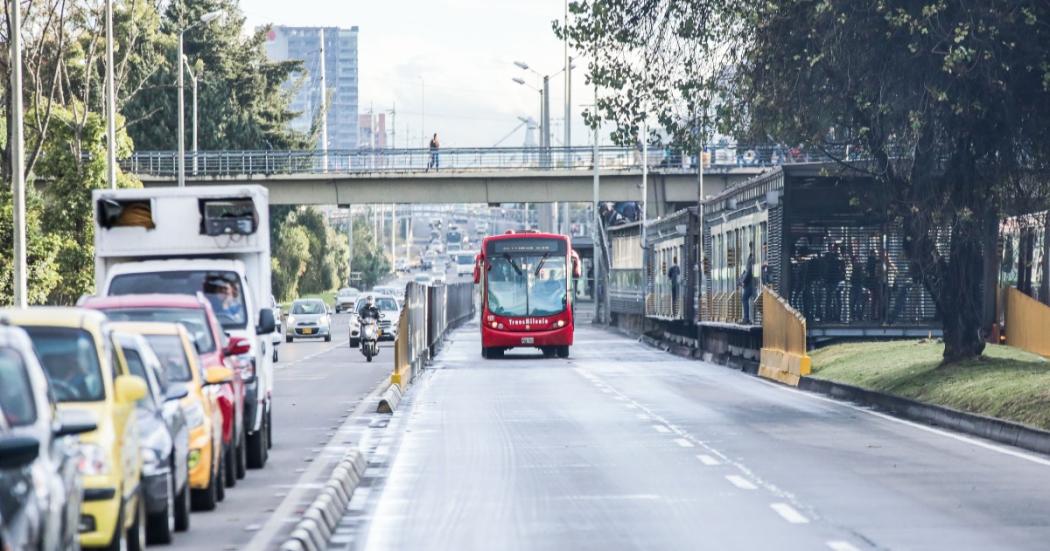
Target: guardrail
(428,315)
(1027,320)
(783,355)
(373,161)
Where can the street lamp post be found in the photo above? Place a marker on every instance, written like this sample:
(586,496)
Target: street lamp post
(111,105)
(193,79)
(206,18)
(17,141)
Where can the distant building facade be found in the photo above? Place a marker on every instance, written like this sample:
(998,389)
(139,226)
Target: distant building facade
(369,137)
(304,43)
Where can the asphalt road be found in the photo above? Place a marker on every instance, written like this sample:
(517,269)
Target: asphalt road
(317,385)
(626,447)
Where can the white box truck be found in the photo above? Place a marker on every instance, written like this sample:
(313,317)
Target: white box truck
(213,240)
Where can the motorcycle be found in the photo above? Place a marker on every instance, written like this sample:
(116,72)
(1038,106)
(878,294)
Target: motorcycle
(370,333)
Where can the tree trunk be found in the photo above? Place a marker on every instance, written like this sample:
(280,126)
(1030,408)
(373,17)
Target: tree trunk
(958,295)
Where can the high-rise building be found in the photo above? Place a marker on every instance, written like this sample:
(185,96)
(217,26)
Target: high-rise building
(369,138)
(304,43)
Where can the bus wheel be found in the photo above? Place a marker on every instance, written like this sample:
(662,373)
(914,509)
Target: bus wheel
(492,353)
(563,351)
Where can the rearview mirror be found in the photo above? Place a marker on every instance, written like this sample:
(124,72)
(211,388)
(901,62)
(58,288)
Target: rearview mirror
(218,375)
(72,422)
(176,392)
(266,322)
(238,346)
(129,388)
(18,451)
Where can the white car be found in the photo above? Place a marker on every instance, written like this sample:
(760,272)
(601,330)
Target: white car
(308,317)
(346,298)
(391,310)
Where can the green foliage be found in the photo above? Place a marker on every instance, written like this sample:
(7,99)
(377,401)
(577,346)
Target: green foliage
(309,256)
(43,274)
(242,101)
(289,258)
(369,258)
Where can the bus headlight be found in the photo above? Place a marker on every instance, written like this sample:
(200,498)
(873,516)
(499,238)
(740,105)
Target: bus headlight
(559,323)
(494,324)
(500,326)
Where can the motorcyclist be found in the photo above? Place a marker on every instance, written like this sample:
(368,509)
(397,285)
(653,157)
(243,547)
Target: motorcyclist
(369,309)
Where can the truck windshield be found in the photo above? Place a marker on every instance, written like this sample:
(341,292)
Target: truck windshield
(526,277)
(71,362)
(221,288)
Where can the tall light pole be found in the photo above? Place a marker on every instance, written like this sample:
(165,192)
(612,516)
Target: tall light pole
(111,104)
(206,18)
(422,113)
(324,110)
(193,79)
(568,87)
(17,141)
(597,222)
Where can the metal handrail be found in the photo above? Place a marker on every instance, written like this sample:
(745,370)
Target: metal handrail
(419,160)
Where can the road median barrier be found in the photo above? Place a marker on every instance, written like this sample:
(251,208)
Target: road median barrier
(430,312)
(320,519)
(783,357)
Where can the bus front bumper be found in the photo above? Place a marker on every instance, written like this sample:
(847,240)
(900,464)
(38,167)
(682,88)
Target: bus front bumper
(496,338)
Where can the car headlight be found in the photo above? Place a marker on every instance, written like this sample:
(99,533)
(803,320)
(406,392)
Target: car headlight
(194,414)
(291,320)
(93,460)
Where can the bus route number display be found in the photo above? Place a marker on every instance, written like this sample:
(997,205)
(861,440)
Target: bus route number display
(526,246)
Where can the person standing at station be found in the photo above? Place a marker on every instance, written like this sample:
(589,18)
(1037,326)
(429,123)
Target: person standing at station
(747,283)
(673,273)
(435,145)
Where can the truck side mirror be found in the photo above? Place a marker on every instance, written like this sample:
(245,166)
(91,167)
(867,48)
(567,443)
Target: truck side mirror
(266,322)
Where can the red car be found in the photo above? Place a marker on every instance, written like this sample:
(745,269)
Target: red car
(215,349)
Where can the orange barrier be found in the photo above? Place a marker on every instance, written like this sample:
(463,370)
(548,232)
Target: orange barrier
(1027,323)
(784,355)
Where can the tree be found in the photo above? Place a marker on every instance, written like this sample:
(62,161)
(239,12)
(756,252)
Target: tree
(950,100)
(243,102)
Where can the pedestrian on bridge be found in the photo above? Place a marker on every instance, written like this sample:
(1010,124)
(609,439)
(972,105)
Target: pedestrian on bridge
(747,283)
(672,274)
(435,144)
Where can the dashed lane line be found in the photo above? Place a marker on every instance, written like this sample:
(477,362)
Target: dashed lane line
(789,513)
(740,482)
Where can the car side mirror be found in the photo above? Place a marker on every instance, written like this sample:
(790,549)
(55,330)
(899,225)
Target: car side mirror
(218,375)
(129,388)
(176,392)
(71,422)
(267,324)
(18,451)
(238,346)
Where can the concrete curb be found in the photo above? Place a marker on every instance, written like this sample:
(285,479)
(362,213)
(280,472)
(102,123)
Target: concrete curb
(390,400)
(990,428)
(321,517)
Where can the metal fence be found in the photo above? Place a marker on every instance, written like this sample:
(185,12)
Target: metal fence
(366,161)
(429,313)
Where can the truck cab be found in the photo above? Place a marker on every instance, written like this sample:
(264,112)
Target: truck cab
(211,240)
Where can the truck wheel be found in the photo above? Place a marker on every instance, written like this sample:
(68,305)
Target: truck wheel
(242,461)
(269,431)
(257,448)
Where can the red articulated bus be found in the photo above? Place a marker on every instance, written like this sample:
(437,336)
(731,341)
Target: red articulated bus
(526,283)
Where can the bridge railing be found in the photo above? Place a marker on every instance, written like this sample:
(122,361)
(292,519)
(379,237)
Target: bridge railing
(366,161)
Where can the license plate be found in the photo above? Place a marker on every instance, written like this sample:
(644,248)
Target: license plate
(527,340)
(308,331)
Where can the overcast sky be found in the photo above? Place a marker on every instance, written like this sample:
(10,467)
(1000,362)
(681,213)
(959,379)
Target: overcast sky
(464,51)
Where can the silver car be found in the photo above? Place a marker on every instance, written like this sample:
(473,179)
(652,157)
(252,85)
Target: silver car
(345,299)
(40,486)
(308,317)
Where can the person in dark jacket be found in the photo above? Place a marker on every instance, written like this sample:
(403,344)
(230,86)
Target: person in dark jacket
(747,283)
(673,273)
(435,145)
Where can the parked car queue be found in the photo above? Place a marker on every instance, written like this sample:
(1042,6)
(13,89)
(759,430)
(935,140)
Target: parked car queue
(117,419)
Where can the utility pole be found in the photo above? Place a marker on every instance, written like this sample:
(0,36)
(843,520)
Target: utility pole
(324,109)
(596,237)
(111,105)
(17,141)
(182,117)
(568,88)
(393,127)
(393,236)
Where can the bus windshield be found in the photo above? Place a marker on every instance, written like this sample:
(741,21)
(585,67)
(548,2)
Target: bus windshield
(526,277)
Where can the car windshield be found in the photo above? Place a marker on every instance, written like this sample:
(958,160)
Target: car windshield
(221,288)
(526,277)
(172,356)
(16,396)
(308,307)
(195,321)
(385,304)
(347,292)
(71,361)
(464,259)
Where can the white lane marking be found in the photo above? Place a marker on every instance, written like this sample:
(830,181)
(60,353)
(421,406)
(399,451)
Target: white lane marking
(683,442)
(708,460)
(958,437)
(841,546)
(311,356)
(740,482)
(661,429)
(789,513)
(643,416)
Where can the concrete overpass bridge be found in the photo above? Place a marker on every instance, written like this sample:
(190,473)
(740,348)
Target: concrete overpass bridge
(463,175)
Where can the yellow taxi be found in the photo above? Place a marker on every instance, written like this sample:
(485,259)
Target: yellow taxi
(174,347)
(85,372)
